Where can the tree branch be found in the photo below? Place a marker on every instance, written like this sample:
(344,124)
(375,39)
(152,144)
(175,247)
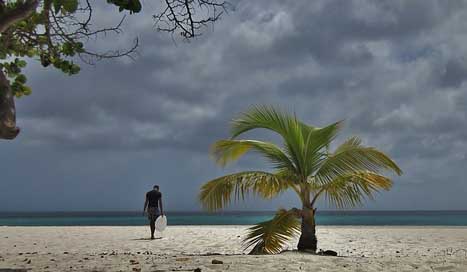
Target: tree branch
(20,13)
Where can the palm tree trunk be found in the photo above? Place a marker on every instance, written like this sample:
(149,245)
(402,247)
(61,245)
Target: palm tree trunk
(8,129)
(308,240)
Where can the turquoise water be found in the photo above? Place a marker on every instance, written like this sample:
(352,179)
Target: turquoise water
(366,218)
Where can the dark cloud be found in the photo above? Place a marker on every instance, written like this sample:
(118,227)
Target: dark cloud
(394,70)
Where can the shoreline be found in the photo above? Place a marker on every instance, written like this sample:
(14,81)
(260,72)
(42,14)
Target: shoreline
(245,226)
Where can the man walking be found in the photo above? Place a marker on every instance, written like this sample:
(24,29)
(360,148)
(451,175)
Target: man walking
(151,205)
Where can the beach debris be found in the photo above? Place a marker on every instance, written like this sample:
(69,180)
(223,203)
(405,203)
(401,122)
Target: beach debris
(327,252)
(28,262)
(182,259)
(134,262)
(197,270)
(136,269)
(217,262)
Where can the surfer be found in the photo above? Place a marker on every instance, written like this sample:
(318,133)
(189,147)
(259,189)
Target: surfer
(153,207)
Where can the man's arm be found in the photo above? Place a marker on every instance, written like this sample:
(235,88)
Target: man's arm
(160,205)
(145,204)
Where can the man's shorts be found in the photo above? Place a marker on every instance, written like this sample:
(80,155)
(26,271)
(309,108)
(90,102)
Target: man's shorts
(153,213)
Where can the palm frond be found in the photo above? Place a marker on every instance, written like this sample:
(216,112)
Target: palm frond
(266,117)
(269,237)
(218,193)
(316,140)
(350,190)
(226,151)
(352,157)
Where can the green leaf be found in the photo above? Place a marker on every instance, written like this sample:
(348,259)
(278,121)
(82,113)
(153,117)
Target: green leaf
(349,190)
(57,4)
(218,193)
(269,237)
(226,151)
(21,79)
(26,90)
(70,5)
(351,157)
(21,63)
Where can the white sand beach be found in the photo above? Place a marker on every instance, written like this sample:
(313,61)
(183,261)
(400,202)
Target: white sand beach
(193,248)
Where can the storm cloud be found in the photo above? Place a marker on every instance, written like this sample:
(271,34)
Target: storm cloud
(396,71)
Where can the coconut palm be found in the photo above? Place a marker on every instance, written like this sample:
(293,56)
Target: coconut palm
(304,164)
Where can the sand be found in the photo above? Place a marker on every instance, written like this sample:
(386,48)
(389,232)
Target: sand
(187,248)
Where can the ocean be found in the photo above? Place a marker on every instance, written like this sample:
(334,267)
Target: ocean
(364,218)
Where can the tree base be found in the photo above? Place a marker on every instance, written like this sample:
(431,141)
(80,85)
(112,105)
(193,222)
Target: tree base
(307,244)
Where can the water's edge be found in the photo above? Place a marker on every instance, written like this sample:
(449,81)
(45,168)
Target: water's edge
(336,218)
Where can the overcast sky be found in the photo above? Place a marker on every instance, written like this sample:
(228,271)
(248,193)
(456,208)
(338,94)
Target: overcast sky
(396,71)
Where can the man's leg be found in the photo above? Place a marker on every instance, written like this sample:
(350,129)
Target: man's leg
(152,223)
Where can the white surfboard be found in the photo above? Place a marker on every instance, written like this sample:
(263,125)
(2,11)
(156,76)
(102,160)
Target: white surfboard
(161,223)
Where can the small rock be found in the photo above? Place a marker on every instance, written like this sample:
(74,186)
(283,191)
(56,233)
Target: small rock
(330,253)
(65,252)
(136,269)
(217,262)
(397,251)
(197,270)
(327,252)
(29,262)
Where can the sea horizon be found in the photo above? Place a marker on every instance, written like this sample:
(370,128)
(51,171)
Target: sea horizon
(323,217)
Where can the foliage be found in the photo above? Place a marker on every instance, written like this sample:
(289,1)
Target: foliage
(269,237)
(54,32)
(303,163)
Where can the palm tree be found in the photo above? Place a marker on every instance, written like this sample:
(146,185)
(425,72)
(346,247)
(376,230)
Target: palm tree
(303,164)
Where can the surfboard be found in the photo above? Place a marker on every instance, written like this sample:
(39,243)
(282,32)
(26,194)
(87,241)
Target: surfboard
(161,223)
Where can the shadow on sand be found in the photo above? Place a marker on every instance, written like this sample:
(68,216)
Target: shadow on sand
(146,239)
